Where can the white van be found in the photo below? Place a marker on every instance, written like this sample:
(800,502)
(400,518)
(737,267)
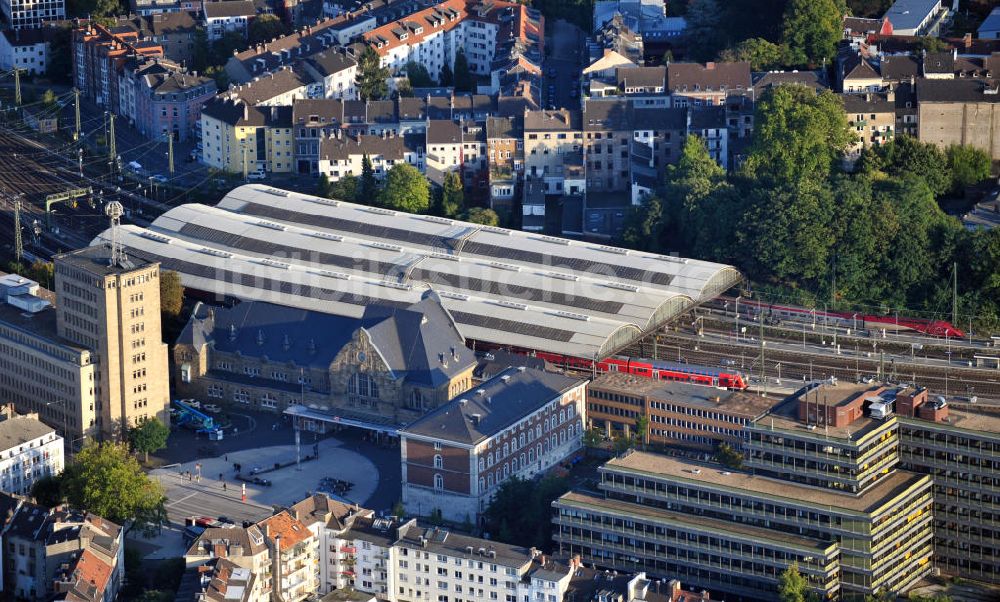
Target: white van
(134,166)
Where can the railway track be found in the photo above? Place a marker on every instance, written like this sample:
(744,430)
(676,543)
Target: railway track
(798,366)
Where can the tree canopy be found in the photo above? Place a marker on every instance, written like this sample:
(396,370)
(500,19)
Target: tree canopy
(792,585)
(811,30)
(148,435)
(405,189)
(760,53)
(367,188)
(968,165)
(418,75)
(171,293)
(452,195)
(372,76)
(465,81)
(479,215)
(520,511)
(265,28)
(106,480)
(907,156)
(703,17)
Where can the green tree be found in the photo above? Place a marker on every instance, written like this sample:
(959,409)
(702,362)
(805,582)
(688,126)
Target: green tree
(703,31)
(399,510)
(464,80)
(931,44)
(760,53)
(155,595)
(171,294)
(968,165)
(367,189)
(479,215)
(224,47)
(418,75)
(447,76)
(905,155)
(728,457)
(642,429)
(47,491)
(404,89)
(452,195)
(323,186)
(42,272)
(811,30)
(346,188)
(265,28)
(520,511)
(792,585)
(92,8)
(593,437)
(692,189)
(372,76)
(108,481)
(643,226)
(798,133)
(148,435)
(405,189)
(49,99)
(201,52)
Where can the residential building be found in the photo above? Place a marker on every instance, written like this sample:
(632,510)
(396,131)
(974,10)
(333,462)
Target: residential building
(220,17)
(174,31)
(331,522)
(431,37)
(62,554)
(990,27)
(872,117)
(357,370)
(615,37)
(444,148)
(709,124)
(505,154)
(337,70)
(962,112)
(40,371)
(608,130)
(285,51)
(916,17)
(766,80)
(856,73)
(858,29)
(113,309)
(294,554)
(100,54)
(278,88)
(648,17)
(657,138)
(641,81)
(603,69)
(26,49)
(161,99)
(344,155)
(245,547)
(735,532)
(225,581)
(552,141)
(28,15)
(237,136)
(145,8)
(679,414)
(516,424)
(694,84)
(29,450)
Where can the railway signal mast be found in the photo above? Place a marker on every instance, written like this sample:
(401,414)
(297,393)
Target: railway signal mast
(18,243)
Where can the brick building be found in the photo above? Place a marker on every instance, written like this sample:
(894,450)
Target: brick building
(100,54)
(518,423)
(161,98)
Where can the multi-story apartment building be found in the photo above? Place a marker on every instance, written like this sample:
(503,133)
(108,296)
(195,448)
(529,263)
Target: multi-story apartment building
(239,137)
(220,17)
(294,555)
(62,553)
(29,450)
(872,117)
(162,99)
(607,134)
(681,414)
(222,580)
(331,522)
(41,372)
(113,309)
(344,155)
(965,112)
(516,424)
(444,148)
(505,155)
(245,547)
(176,32)
(337,70)
(26,49)
(431,37)
(694,84)
(337,366)
(709,124)
(99,54)
(734,532)
(22,14)
(553,141)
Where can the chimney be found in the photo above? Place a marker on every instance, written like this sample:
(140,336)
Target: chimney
(710,65)
(890,94)
(967,40)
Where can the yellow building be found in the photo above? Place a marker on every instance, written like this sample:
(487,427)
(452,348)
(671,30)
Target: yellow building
(237,137)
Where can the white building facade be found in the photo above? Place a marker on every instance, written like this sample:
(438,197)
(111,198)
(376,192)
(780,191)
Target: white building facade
(32,450)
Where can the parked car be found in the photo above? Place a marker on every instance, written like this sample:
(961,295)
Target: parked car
(213,408)
(262,482)
(192,402)
(256,175)
(160,179)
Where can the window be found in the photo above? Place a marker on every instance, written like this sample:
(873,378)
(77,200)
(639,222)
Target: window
(438,461)
(362,385)
(438,482)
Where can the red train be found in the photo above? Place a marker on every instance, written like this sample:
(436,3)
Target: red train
(658,369)
(936,328)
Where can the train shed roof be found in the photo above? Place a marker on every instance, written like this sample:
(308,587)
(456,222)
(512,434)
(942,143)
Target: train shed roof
(501,286)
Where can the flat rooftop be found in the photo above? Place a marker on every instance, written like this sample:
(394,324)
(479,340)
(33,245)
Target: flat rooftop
(618,507)
(695,395)
(965,417)
(784,417)
(96,259)
(712,474)
(40,324)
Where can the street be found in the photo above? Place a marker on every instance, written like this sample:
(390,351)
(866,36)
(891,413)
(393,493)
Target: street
(562,66)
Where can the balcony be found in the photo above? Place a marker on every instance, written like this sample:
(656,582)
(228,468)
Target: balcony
(348,549)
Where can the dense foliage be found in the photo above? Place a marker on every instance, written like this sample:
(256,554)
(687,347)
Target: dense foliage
(521,511)
(148,435)
(796,223)
(372,76)
(405,189)
(265,28)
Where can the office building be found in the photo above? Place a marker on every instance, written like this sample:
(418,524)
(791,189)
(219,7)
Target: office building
(517,424)
(683,414)
(25,14)
(735,532)
(113,309)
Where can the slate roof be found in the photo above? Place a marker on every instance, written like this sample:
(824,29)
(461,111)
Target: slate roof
(229,8)
(503,128)
(707,77)
(950,90)
(856,67)
(659,118)
(862,103)
(939,62)
(17,430)
(603,115)
(237,112)
(771,79)
(411,341)
(551,121)
(390,147)
(443,131)
(899,67)
(707,118)
(862,25)
(331,61)
(505,399)
(327,110)
(641,77)
(270,85)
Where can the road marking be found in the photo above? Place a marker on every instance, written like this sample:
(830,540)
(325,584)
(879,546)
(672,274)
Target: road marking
(175,502)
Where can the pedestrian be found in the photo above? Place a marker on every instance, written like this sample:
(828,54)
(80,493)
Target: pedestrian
(223,485)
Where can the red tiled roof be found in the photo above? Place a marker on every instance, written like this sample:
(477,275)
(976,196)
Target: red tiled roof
(291,530)
(430,20)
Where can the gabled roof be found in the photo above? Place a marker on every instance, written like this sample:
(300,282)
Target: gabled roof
(610,60)
(90,576)
(899,67)
(856,67)
(443,131)
(495,405)
(710,76)
(388,147)
(289,529)
(220,9)
(642,77)
(329,62)
(320,508)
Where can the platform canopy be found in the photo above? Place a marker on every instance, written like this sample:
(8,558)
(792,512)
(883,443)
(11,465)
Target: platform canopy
(501,286)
